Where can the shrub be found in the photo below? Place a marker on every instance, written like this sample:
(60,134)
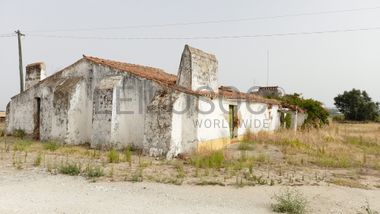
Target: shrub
(70,169)
(51,146)
(113,156)
(289,201)
(94,172)
(317,115)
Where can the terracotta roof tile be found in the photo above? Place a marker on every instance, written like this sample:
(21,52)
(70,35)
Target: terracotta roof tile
(139,70)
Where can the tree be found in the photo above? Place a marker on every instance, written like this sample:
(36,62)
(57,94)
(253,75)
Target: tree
(357,105)
(317,115)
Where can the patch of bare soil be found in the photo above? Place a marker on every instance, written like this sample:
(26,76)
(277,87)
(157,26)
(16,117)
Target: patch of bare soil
(36,191)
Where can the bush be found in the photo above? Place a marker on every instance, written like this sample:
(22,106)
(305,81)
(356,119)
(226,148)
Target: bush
(317,116)
(94,172)
(289,201)
(113,156)
(70,169)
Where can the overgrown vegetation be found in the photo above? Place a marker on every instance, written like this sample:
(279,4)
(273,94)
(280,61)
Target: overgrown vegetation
(289,201)
(317,115)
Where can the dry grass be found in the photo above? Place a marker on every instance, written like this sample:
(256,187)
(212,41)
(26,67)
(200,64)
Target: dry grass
(307,158)
(337,146)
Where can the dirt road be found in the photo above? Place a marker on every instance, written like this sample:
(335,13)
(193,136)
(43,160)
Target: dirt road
(28,191)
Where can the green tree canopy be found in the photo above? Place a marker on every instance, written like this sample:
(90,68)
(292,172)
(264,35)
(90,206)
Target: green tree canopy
(357,105)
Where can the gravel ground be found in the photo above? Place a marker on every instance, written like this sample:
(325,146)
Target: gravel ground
(29,191)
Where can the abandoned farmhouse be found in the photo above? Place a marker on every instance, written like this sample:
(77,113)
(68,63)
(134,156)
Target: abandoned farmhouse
(108,103)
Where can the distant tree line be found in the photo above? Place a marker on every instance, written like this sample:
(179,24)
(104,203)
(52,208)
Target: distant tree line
(356,105)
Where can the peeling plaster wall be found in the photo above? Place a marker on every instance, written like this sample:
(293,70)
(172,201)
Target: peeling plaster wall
(184,131)
(21,115)
(55,105)
(119,110)
(102,117)
(79,124)
(158,123)
(132,97)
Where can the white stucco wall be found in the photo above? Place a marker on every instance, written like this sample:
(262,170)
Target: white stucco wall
(80,117)
(183,132)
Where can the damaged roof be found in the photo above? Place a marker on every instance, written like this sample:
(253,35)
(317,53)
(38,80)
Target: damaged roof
(139,70)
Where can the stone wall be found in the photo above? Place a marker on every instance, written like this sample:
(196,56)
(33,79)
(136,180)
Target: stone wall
(158,123)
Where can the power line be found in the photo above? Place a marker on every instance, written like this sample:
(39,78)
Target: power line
(7,35)
(208,22)
(204,37)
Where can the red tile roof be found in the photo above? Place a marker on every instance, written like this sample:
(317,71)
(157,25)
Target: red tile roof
(169,80)
(139,70)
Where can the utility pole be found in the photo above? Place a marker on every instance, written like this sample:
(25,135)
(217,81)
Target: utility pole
(268,68)
(19,34)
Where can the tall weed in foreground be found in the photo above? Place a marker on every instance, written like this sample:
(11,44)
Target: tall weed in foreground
(289,201)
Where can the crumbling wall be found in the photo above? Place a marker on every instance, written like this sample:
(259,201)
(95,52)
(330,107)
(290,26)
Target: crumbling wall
(21,113)
(102,116)
(133,95)
(158,123)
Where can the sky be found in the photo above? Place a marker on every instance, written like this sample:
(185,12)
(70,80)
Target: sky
(318,65)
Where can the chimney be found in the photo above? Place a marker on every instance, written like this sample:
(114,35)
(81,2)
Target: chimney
(198,70)
(34,74)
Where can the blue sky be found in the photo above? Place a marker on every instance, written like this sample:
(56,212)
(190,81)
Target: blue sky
(319,65)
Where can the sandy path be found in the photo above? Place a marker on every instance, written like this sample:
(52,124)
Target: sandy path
(37,192)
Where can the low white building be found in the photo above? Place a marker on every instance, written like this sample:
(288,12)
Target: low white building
(115,104)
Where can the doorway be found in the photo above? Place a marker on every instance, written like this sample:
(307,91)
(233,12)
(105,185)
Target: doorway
(233,121)
(37,118)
